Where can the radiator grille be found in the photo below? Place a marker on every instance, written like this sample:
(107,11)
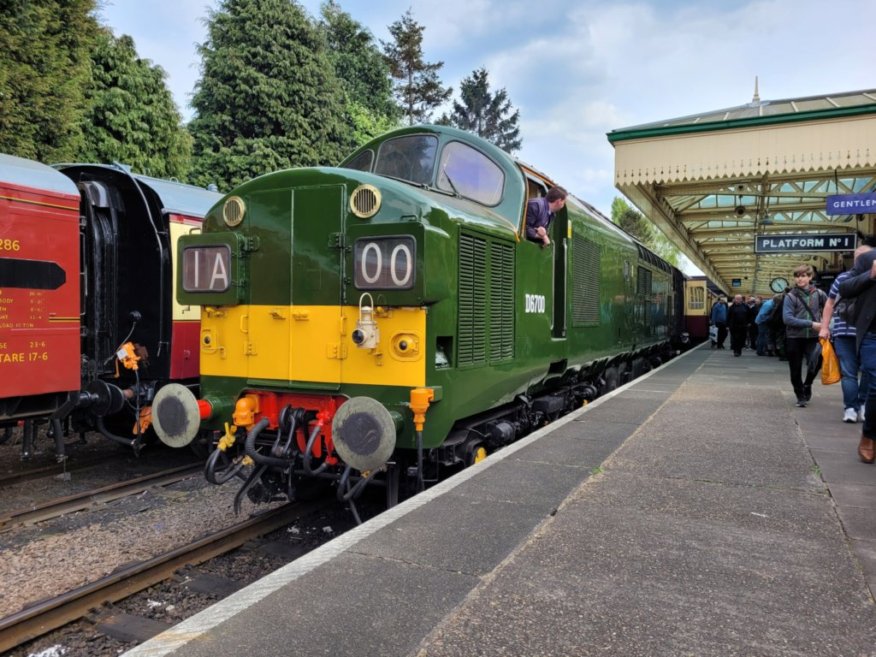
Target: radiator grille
(501,301)
(472,300)
(585,282)
(486,301)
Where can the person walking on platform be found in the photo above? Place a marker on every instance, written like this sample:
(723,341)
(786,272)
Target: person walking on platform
(738,317)
(754,304)
(718,317)
(801,313)
(837,325)
(860,286)
(765,346)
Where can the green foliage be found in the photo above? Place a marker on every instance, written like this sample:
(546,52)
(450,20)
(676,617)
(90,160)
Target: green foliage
(358,62)
(418,89)
(132,117)
(639,227)
(368,124)
(362,72)
(484,113)
(268,97)
(44,69)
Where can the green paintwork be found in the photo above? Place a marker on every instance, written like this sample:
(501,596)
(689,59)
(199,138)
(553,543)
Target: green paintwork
(297,242)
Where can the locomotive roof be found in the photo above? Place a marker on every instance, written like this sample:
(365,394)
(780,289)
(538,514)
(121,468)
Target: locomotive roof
(27,173)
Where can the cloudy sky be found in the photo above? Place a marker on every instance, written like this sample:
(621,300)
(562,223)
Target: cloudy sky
(577,69)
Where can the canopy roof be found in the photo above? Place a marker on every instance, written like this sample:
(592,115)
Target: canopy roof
(713,181)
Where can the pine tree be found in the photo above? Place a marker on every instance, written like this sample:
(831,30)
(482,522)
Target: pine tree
(418,89)
(268,97)
(44,69)
(635,223)
(132,117)
(362,72)
(484,113)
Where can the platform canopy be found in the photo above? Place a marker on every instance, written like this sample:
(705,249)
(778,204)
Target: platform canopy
(714,182)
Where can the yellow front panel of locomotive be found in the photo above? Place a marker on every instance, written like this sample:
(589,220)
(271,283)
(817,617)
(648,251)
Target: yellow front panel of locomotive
(313,343)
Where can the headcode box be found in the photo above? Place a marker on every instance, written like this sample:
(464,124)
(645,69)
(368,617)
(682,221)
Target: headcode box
(801,243)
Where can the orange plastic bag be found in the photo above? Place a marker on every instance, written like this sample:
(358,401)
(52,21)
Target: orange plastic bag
(830,368)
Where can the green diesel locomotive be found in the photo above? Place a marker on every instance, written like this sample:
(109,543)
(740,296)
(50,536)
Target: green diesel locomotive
(388,317)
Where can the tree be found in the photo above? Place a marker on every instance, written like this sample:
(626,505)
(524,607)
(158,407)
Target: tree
(484,113)
(634,223)
(44,69)
(132,117)
(268,97)
(362,72)
(418,89)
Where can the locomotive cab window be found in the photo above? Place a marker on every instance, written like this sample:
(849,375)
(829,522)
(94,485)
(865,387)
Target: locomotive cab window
(410,158)
(463,170)
(362,162)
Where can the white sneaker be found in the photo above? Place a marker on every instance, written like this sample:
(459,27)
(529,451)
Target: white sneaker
(861,414)
(850,415)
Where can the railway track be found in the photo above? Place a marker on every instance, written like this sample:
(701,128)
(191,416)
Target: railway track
(50,614)
(91,498)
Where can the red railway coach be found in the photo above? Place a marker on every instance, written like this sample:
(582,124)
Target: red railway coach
(39,288)
(118,335)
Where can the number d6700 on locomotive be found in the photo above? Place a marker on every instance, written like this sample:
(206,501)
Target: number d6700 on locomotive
(389,316)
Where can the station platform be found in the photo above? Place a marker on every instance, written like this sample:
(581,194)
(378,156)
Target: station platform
(695,511)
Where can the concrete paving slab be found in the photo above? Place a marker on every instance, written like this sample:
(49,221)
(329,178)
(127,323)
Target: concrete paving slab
(571,450)
(357,605)
(844,467)
(712,453)
(539,484)
(431,536)
(858,495)
(859,522)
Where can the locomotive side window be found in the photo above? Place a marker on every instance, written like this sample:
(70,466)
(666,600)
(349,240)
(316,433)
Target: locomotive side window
(469,173)
(362,162)
(410,158)
(384,263)
(206,268)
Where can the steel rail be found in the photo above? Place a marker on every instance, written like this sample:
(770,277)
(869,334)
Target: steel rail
(45,616)
(90,498)
(11,478)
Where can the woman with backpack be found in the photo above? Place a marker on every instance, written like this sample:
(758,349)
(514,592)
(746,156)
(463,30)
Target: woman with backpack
(801,313)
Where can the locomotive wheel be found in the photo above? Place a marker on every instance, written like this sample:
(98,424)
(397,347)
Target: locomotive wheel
(611,379)
(475,453)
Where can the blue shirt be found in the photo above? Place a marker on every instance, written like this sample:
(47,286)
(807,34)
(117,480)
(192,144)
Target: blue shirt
(838,325)
(538,215)
(765,310)
(719,313)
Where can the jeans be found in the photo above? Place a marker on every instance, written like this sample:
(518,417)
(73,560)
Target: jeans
(854,394)
(867,356)
(763,339)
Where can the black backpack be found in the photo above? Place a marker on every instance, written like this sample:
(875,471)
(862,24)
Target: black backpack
(845,310)
(775,321)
